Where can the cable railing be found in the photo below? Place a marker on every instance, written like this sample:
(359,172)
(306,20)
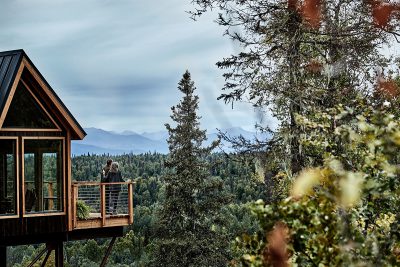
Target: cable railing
(102,204)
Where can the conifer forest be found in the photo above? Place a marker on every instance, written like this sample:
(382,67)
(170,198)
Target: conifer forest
(321,190)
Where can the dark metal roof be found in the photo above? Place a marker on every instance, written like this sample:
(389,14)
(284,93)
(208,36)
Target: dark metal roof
(9,64)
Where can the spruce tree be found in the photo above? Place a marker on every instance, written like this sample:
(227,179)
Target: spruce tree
(187,232)
(300,56)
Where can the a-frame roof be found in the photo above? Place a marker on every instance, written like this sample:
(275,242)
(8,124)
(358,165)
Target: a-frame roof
(12,63)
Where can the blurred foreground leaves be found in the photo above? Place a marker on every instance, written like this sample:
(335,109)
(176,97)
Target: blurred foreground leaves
(345,212)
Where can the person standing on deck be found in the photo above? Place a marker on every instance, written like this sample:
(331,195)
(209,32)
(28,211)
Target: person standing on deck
(114,176)
(105,170)
(104,174)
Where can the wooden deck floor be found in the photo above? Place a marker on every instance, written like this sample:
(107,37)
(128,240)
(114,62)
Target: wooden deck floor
(96,221)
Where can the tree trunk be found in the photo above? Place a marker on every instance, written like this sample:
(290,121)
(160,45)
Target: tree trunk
(293,58)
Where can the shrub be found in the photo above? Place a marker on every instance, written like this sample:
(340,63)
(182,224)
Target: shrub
(82,210)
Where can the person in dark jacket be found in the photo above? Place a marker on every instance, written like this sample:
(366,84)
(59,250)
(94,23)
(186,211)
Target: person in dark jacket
(105,170)
(113,176)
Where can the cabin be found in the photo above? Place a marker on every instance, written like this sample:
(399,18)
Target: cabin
(39,200)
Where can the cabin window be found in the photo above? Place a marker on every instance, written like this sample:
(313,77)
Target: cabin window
(26,113)
(43,175)
(8,177)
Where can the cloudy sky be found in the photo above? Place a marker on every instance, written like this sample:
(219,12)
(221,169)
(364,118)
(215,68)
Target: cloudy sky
(116,64)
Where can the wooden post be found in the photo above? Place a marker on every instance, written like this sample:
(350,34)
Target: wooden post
(3,256)
(130,202)
(74,199)
(68,181)
(103,203)
(39,180)
(59,254)
(51,195)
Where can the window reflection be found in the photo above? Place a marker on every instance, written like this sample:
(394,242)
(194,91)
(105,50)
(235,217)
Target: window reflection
(8,177)
(43,175)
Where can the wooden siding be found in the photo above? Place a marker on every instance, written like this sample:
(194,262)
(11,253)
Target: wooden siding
(32,226)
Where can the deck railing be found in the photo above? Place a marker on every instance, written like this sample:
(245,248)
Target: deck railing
(109,204)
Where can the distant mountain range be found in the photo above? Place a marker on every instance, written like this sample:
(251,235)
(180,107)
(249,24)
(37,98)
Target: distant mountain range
(99,141)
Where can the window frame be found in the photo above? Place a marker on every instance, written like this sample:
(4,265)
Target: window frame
(63,178)
(17,211)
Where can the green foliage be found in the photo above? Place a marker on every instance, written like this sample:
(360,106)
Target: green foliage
(28,253)
(16,255)
(92,251)
(346,211)
(85,253)
(82,210)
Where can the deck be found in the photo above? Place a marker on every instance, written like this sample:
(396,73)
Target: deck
(98,200)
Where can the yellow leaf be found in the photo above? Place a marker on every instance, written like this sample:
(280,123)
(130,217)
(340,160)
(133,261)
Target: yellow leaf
(336,166)
(306,180)
(396,137)
(351,189)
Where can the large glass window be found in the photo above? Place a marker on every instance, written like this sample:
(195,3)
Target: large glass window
(25,112)
(43,174)
(8,177)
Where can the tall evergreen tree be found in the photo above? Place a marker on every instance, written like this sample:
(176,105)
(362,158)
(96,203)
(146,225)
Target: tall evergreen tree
(298,56)
(187,230)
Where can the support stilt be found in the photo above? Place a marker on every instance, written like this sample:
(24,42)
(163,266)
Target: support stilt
(46,258)
(3,256)
(108,252)
(59,254)
(38,257)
